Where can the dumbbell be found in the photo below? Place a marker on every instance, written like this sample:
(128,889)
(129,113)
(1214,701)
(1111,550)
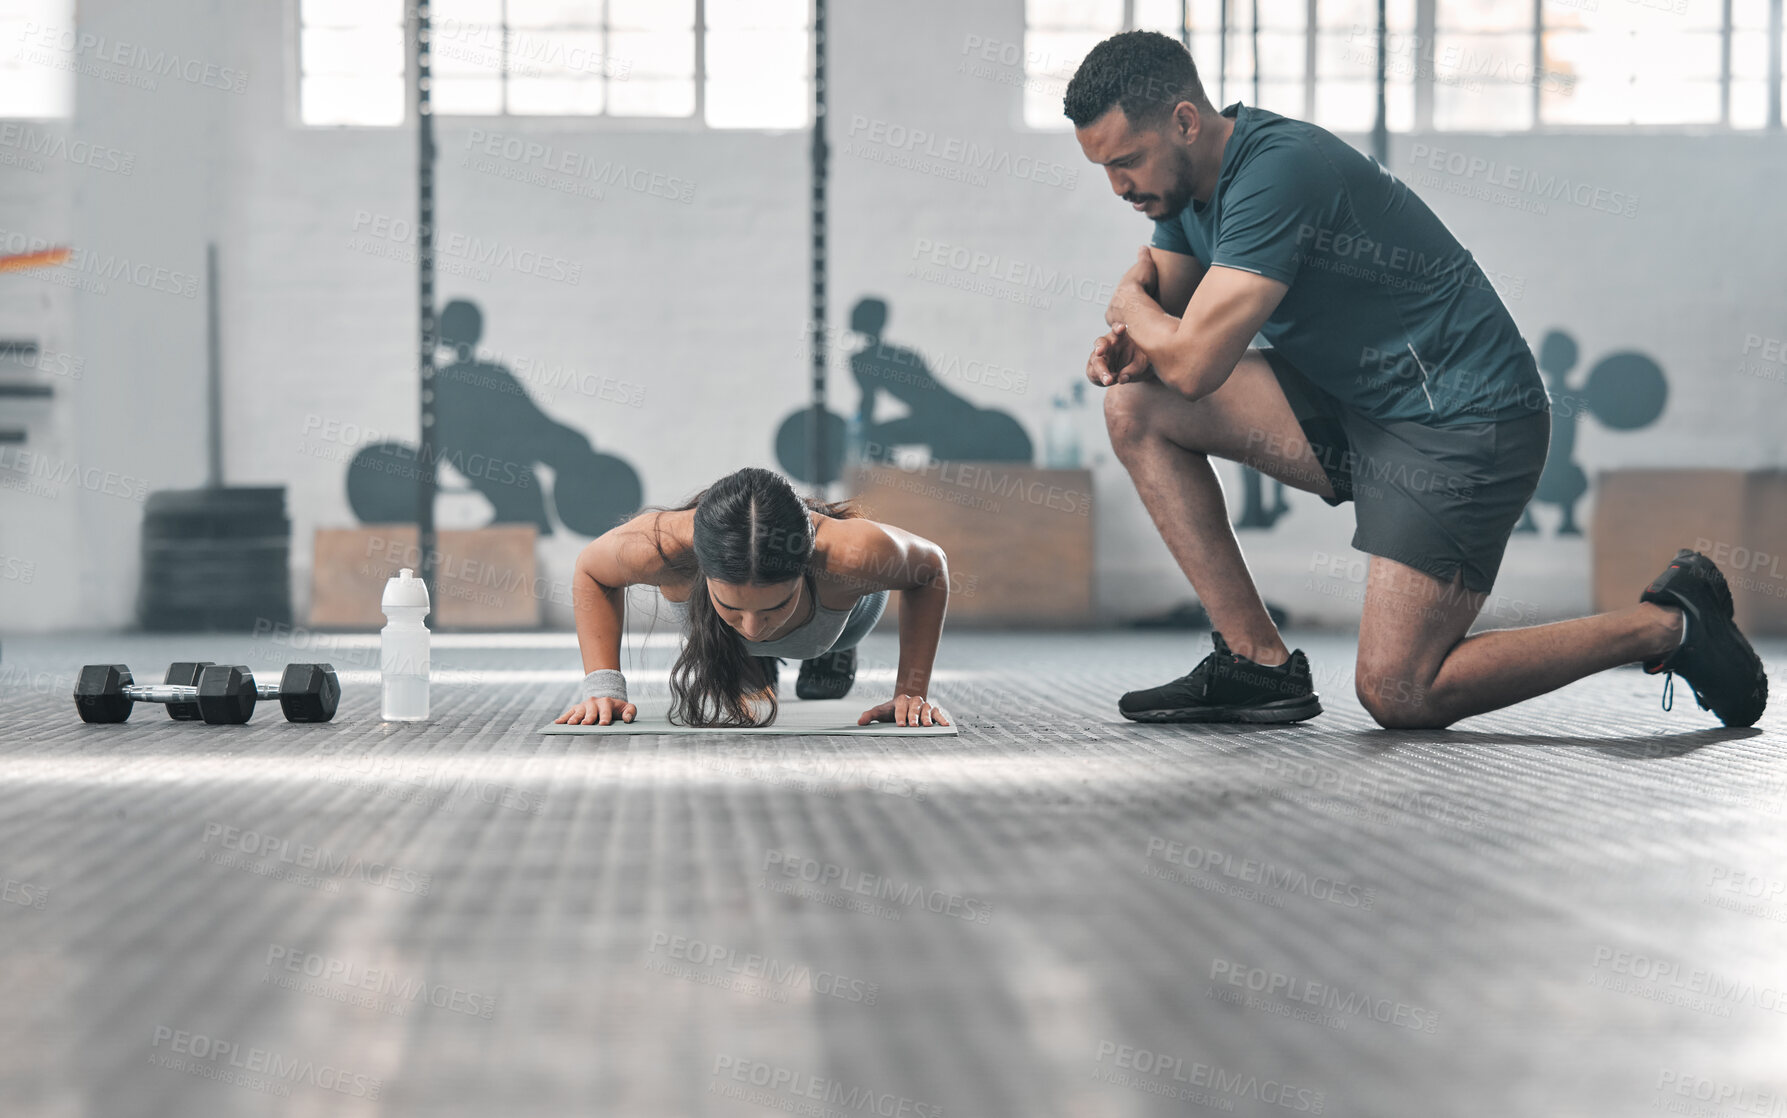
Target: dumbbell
(219,694)
(306,692)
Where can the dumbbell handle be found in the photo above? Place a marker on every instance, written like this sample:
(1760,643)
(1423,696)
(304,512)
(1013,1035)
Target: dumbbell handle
(161,693)
(177,693)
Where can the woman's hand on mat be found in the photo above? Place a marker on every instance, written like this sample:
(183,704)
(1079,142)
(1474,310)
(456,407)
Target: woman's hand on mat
(906,710)
(598,712)
(1116,359)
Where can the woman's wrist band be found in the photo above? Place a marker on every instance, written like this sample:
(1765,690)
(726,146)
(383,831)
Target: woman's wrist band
(605,683)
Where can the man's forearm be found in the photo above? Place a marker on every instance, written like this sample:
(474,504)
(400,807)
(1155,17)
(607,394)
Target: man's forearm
(1150,327)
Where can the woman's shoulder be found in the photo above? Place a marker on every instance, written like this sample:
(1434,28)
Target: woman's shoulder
(854,548)
(650,545)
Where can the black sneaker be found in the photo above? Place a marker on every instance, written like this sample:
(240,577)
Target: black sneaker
(1229,688)
(1726,674)
(828,676)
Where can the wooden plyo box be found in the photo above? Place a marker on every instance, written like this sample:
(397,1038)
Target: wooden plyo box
(1738,519)
(1018,538)
(486,578)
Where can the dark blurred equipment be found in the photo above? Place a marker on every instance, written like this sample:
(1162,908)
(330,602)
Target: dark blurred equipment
(219,694)
(216,558)
(1191,615)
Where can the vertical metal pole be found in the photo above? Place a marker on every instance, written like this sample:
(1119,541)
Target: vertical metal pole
(1538,61)
(425,157)
(1253,46)
(1425,55)
(1725,64)
(1311,32)
(1380,128)
(1774,65)
(1222,56)
(1185,23)
(816,416)
(701,61)
(213,377)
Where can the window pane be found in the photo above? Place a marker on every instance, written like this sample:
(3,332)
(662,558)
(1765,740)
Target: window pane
(1488,107)
(1749,54)
(351,13)
(1158,15)
(758,104)
(1469,61)
(1281,56)
(664,54)
(31,92)
(1749,13)
(1057,54)
(1104,14)
(1631,77)
(652,97)
(1283,98)
(1749,104)
(651,15)
(555,96)
(1285,15)
(1042,107)
(555,13)
(465,11)
(742,55)
(363,51)
(338,100)
(1354,55)
(457,47)
(1203,56)
(757,13)
(1488,15)
(1345,106)
(467,96)
(551,53)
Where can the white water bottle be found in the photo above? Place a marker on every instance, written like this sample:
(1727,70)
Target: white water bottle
(403,649)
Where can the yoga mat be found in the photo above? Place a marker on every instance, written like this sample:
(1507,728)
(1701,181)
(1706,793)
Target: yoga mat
(817,716)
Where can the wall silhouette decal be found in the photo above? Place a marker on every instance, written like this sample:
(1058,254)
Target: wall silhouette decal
(953,427)
(1624,390)
(493,433)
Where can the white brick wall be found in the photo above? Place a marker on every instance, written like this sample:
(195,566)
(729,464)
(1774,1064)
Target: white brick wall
(705,303)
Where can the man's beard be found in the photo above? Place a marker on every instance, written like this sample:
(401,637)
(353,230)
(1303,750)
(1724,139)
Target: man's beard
(1178,196)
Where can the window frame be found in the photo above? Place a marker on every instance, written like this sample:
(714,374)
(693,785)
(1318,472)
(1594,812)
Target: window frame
(525,123)
(1425,30)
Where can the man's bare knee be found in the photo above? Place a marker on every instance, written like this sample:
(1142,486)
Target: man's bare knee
(1395,701)
(1126,413)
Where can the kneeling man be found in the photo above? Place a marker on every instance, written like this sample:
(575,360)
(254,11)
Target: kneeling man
(1395,379)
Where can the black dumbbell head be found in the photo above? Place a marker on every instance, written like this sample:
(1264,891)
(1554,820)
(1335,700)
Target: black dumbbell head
(226,695)
(309,692)
(99,693)
(185,673)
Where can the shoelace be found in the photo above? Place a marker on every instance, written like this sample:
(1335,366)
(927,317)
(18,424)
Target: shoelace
(1669,691)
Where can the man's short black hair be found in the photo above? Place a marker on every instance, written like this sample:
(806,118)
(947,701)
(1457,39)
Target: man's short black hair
(1144,71)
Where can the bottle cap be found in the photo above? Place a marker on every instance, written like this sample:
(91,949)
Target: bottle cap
(405,590)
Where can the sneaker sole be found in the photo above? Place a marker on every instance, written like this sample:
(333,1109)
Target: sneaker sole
(1284,710)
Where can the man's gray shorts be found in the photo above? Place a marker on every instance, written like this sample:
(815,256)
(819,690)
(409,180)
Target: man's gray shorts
(1439,499)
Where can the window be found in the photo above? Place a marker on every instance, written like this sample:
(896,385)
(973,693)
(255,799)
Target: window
(37,71)
(725,63)
(1491,65)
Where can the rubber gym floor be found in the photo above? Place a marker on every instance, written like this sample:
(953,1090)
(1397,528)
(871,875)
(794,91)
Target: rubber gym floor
(1573,907)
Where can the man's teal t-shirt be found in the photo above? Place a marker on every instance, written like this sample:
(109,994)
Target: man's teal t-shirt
(1386,311)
